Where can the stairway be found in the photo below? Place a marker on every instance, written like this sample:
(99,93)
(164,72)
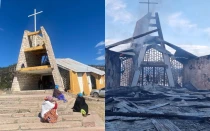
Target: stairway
(19,112)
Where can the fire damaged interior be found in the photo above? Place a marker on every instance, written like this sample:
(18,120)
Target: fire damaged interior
(151,88)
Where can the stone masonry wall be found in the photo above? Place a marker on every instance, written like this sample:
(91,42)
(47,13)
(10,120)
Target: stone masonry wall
(26,58)
(197,71)
(39,40)
(22,57)
(56,74)
(65,76)
(27,81)
(21,60)
(31,59)
(112,69)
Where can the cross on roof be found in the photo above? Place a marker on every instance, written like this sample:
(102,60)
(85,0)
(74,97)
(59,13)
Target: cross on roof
(35,13)
(148,3)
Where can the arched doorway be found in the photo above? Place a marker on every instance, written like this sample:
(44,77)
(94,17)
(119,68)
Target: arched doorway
(93,81)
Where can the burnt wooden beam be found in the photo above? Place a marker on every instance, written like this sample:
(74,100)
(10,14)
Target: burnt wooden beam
(154,114)
(157,106)
(164,125)
(130,39)
(152,25)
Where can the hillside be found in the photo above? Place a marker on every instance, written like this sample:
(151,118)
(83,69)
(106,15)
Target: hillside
(100,67)
(6,76)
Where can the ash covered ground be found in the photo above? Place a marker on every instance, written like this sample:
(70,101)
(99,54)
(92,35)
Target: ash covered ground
(157,108)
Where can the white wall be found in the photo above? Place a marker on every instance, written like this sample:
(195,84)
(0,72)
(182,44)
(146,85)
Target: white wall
(80,81)
(89,81)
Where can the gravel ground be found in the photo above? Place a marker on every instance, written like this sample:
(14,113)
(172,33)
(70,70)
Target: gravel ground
(98,107)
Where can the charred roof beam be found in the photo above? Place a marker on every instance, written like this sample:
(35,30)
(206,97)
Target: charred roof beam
(130,39)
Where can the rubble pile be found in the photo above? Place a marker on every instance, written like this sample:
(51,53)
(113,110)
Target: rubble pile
(157,108)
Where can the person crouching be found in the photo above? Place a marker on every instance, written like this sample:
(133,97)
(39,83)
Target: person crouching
(49,110)
(80,105)
(57,94)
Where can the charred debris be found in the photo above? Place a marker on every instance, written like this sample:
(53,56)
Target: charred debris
(158,108)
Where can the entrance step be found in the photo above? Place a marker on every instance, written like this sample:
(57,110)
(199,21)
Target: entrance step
(27,92)
(20,112)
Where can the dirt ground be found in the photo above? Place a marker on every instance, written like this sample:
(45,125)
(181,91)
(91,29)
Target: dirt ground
(98,107)
(1,92)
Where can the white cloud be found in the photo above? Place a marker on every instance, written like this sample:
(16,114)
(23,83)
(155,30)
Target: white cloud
(117,10)
(116,48)
(100,51)
(100,44)
(178,21)
(182,25)
(101,57)
(110,41)
(198,50)
(207,30)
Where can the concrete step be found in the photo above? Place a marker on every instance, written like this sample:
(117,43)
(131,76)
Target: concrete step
(33,92)
(77,117)
(35,114)
(39,125)
(28,96)
(39,99)
(73,129)
(34,123)
(20,112)
(27,92)
(30,105)
(28,109)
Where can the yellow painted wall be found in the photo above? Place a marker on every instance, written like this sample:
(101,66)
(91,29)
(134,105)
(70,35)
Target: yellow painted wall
(74,84)
(85,84)
(98,78)
(103,81)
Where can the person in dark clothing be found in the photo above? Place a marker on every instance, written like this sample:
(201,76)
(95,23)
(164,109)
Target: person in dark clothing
(51,84)
(147,78)
(80,105)
(40,84)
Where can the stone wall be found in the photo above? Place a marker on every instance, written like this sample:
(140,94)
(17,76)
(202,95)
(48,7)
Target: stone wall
(25,82)
(22,57)
(56,74)
(197,72)
(39,40)
(112,69)
(66,78)
(31,59)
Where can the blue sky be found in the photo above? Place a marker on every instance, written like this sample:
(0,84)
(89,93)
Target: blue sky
(75,28)
(184,22)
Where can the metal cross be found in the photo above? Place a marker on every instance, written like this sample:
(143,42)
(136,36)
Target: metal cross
(35,13)
(148,3)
